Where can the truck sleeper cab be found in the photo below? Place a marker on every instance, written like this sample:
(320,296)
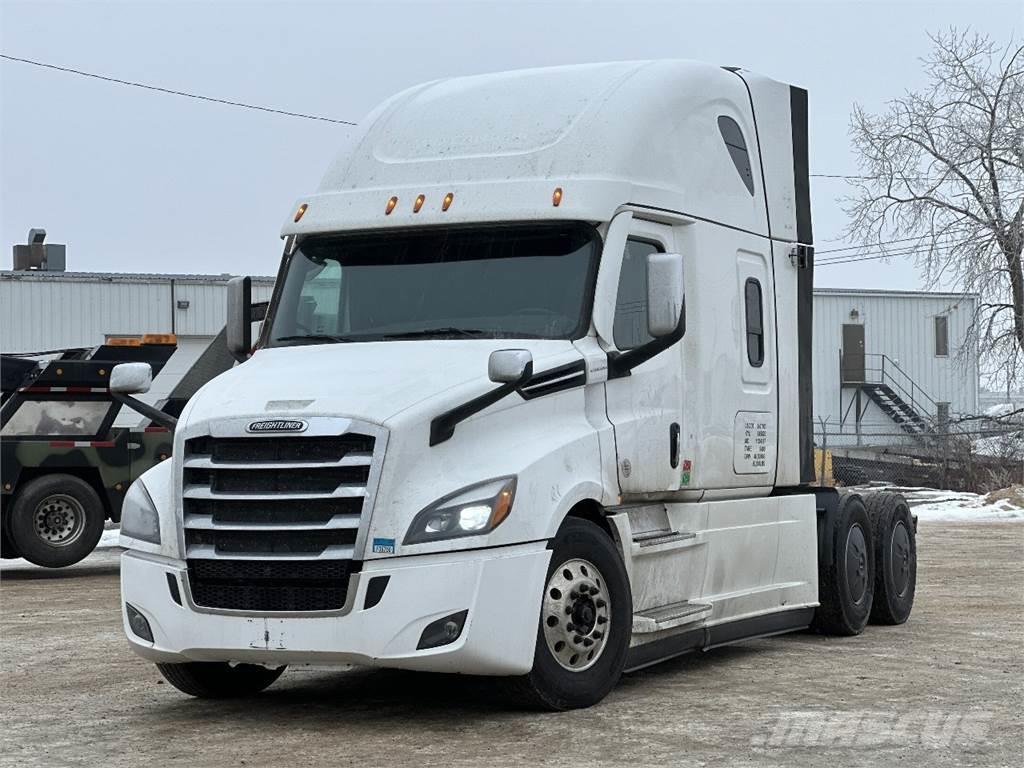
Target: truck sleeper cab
(532,400)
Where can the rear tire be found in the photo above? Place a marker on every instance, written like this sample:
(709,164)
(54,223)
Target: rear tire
(895,557)
(576,664)
(219,680)
(846,573)
(56,520)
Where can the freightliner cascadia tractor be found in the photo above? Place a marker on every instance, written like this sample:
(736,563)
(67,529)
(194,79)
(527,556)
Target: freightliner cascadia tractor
(532,400)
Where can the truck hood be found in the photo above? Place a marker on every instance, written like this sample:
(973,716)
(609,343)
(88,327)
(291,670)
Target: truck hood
(373,381)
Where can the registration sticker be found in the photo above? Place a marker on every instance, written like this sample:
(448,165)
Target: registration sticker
(384,546)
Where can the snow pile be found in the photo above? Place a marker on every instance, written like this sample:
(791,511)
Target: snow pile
(109,538)
(929,504)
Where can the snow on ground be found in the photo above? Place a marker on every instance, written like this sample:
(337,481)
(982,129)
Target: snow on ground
(930,504)
(109,538)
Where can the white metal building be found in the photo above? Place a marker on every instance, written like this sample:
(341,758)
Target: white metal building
(903,357)
(40,310)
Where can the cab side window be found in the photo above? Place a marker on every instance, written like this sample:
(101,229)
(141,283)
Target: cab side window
(630,325)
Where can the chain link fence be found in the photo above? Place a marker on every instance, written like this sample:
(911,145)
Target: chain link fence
(978,454)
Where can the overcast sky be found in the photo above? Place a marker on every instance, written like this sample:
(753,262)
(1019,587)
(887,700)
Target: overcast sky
(138,181)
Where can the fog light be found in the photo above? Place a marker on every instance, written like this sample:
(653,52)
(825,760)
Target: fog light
(443,631)
(138,623)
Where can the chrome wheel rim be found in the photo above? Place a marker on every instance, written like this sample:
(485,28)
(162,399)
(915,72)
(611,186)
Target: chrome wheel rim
(59,520)
(576,614)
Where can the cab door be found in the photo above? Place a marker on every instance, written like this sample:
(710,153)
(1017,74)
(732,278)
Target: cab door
(645,404)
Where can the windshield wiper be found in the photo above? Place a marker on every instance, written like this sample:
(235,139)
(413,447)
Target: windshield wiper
(315,337)
(472,333)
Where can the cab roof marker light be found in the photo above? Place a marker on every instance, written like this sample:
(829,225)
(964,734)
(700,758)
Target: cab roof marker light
(556,197)
(420,199)
(390,206)
(447,202)
(301,212)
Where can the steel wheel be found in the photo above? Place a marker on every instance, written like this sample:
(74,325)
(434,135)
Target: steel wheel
(59,520)
(576,612)
(857,563)
(900,559)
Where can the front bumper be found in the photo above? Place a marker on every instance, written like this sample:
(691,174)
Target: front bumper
(501,588)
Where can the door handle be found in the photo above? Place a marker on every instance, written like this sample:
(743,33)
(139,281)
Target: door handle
(673,445)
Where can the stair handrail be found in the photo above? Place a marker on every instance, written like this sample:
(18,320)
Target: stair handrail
(915,389)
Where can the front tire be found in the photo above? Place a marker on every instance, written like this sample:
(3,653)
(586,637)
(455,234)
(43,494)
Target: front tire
(585,621)
(56,520)
(219,680)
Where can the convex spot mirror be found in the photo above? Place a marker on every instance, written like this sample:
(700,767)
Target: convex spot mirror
(664,293)
(131,378)
(509,366)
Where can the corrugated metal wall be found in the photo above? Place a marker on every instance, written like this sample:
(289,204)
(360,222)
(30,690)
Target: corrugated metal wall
(42,312)
(901,326)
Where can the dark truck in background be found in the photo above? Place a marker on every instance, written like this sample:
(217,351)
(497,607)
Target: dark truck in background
(64,466)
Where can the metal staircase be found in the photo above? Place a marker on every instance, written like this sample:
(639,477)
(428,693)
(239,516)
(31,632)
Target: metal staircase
(896,408)
(889,387)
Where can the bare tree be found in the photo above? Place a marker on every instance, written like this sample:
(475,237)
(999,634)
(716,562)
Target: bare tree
(943,175)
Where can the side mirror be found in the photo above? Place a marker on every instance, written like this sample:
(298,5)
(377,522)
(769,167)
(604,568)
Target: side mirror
(239,328)
(509,366)
(131,378)
(664,293)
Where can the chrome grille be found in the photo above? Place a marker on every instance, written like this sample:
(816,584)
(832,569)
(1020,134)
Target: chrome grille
(272,523)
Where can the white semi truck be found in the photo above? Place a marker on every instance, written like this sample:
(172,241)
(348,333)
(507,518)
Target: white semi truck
(532,400)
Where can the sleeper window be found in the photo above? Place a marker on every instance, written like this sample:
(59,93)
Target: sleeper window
(630,326)
(755,322)
(737,146)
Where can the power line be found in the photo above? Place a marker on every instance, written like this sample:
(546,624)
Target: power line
(869,246)
(173,92)
(907,250)
(852,259)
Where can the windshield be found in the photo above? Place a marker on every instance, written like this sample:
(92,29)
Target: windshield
(532,281)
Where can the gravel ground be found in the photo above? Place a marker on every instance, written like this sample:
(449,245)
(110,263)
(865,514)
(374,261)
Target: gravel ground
(945,689)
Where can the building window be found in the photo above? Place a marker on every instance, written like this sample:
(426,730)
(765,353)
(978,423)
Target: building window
(737,146)
(941,336)
(630,326)
(755,322)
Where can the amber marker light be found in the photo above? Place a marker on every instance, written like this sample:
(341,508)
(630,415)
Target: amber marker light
(503,504)
(301,212)
(418,203)
(556,197)
(390,206)
(447,202)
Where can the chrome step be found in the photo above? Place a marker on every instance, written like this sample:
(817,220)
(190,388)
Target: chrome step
(669,616)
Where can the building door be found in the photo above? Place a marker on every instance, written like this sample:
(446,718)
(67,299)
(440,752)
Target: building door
(853,354)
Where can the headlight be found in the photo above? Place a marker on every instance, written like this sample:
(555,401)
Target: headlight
(139,518)
(474,510)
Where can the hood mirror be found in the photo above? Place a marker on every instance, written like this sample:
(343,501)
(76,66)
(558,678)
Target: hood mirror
(510,366)
(131,378)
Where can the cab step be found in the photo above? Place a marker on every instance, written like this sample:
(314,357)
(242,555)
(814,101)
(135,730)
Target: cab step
(663,536)
(669,616)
